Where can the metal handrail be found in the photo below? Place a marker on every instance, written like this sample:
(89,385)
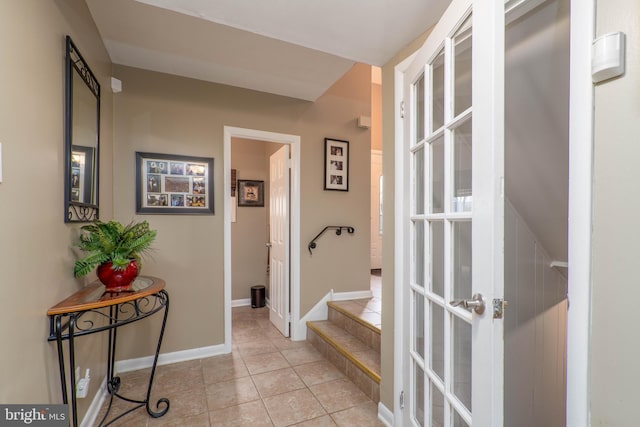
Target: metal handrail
(312,245)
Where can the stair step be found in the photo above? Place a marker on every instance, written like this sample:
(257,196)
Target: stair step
(350,316)
(366,312)
(349,354)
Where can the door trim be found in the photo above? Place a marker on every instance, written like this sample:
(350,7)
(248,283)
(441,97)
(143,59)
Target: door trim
(376,153)
(580,205)
(401,198)
(294,253)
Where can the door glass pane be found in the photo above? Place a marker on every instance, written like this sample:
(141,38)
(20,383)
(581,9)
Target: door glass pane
(419,88)
(418,324)
(418,180)
(437,175)
(437,407)
(462,65)
(462,361)
(418,394)
(437,257)
(442,91)
(418,253)
(437,339)
(458,421)
(462,194)
(437,92)
(462,260)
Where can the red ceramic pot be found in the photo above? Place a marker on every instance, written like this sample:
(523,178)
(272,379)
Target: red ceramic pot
(118,280)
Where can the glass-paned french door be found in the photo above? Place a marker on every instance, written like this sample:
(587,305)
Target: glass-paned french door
(441,203)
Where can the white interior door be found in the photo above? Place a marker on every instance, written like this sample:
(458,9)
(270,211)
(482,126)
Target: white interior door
(376,209)
(453,220)
(279,234)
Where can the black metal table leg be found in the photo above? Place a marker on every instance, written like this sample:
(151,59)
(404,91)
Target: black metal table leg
(163,400)
(72,369)
(114,381)
(63,375)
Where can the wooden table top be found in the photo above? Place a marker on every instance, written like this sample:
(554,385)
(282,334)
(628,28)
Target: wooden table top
(93,296)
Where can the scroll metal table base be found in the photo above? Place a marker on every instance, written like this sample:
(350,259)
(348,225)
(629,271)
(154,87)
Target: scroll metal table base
(119,315)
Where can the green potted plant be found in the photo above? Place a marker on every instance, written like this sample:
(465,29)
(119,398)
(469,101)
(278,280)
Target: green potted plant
(116,250)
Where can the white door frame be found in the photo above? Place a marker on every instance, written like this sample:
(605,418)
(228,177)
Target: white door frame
(376,153)
(401,200)
(581,101)
(294,253)
(583,14)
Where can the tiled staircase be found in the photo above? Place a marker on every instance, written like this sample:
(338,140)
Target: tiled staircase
(350,339)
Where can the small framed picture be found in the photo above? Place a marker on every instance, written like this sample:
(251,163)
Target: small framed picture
(250,193)
(336,164)
(174,184)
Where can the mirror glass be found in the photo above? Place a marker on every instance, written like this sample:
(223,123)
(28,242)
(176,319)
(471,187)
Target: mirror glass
(82,140)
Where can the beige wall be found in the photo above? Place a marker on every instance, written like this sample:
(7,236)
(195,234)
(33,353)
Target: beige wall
(376,116)
(249,232)
(167,114)
(615,349)
(156,113)
(339,263)
(388,238)
(36,259)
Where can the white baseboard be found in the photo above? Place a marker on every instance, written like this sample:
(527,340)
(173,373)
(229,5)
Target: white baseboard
(319,311)
(145,362)
(385,415)
(175,357)
(90,417)
(245,302)
(342,296)
(241,302)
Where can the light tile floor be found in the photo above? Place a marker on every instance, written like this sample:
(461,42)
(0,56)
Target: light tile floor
(267,380)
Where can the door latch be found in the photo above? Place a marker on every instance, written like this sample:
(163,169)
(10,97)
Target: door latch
(499,305)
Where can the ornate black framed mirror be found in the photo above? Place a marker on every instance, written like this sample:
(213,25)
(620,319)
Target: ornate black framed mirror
(82,138)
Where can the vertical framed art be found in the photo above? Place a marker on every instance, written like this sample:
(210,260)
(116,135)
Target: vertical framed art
(336,164)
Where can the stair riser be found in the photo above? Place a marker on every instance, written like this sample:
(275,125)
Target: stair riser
(369,337)
(367,385)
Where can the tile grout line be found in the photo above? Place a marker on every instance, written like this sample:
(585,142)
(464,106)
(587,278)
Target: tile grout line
(296,353)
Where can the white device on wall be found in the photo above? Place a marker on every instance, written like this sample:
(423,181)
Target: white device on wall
(116,85)
(607,56)
(364,122)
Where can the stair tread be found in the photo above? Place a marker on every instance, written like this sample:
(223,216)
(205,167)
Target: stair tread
(359,311)
(351,346)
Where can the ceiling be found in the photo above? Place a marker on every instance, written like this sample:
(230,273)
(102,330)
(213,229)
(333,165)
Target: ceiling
(294,48)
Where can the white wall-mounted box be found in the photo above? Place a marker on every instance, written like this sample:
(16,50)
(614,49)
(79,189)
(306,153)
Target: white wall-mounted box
(607,57)
(364,122)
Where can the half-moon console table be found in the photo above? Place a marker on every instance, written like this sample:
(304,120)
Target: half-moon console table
(91,310)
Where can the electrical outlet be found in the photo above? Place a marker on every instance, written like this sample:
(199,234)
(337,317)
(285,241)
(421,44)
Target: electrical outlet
(82,386)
